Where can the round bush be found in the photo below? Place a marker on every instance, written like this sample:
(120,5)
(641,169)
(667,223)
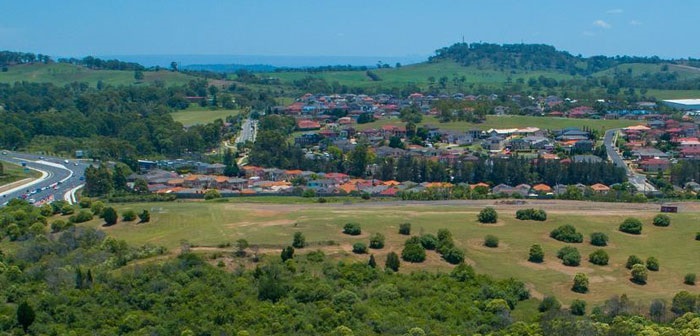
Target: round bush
(488,215)
(359,248)
(566,233)
(129,215)
(578,307)
(569,256)
(82,216)
(632,260)
(549,303)
(491,241)
(639,274)
(599,239)
(536,254)
(599,257)
(697,236)
(414,253)
(652,264)
(376,241)
(662,220)
(689,279)
(531,214)
(352,229)
(631,226)
(405,229)
(429,241)
(454,256)
(580,283)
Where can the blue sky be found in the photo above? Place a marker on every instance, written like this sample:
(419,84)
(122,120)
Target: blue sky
(344,28)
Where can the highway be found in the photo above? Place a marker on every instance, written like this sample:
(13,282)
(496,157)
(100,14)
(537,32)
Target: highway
(65,178)
(248,131)
(639,181)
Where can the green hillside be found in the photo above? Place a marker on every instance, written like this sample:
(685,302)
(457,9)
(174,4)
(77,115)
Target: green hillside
(683,72)
(63,73)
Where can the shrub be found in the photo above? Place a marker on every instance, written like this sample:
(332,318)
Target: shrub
(129,215)
(58,225)
(429,241)
(599,239)
(308,193)
(683,302)
(445,241)
(566,233)
(662,220)
(689,279)
(598,257)
(652,264)
(631,226)
(531,214)
(697,236)
(352,229)
(145,216)
(536,254)
(110,216)
(376,241)
(405,229)
(97,207)
(488,215)
(639,274)
(491,241)
(85,202)
(299,240)
(82,216)
(569,256)
(212,194)
(287,253)
(578,307)
(414,253)
(580,283)
(67,210)
(454,256)
(632,260)
(359,248)
(549,303)
(392,261)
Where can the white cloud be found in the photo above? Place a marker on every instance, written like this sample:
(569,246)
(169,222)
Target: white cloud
(635,23)
(614,11)
(602,24)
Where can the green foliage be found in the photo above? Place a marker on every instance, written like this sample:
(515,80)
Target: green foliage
(633,260)
(429,241)
(67,210)
(144,216)
(631,226)
(352,229)
(683,302)
(287,253)
(580,283)
(488,215)
(392,262)
(413,252)
(599,239)
(299,240)
(598,257)
(82,216)
(97,207)
(445,241)
(308,193)
(491,241)
(652,264)
(85,202)
(549,303)
(566,233)
(454,256)
(405,229)
(129,215)
(110,216)
(359,248)
(25,316)
(639,274)
(376,241)
(212,194)
(578,307)
(536,254)
(569,256)
(689,279)
(697,236)
(372,262)
(662,220)
(531,214)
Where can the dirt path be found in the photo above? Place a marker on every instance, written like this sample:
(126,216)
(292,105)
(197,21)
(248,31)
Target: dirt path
(15,184)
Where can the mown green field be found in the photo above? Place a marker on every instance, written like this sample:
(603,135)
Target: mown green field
(193,116)
(14,173)
(511,121)
(210,224)
(61,74)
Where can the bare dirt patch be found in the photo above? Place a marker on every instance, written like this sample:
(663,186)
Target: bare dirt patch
(556,266)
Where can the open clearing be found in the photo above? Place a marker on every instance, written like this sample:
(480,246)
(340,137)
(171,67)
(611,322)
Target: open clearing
(272,226)
(14,173)
(193,116)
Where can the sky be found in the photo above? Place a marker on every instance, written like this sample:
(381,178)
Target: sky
(390,28)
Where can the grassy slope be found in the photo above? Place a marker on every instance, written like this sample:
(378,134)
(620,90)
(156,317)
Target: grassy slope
(208,224)
(61,74)
(15,173)
(511,121)
(198,115)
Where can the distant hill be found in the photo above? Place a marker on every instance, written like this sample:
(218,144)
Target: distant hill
(229,68)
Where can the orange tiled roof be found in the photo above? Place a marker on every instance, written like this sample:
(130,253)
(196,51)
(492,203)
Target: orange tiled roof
(391,183)
(542,187)
(348,187)
(480,184)
(600,187)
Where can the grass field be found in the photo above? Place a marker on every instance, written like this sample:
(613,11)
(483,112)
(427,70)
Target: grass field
(512,121)
(194,116)
(15,173)
(209,224)
(61,74)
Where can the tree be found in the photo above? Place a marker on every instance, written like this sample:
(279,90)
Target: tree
(358,159)
(652,264)
(549,303)
(372,263)
(531,214)
(413,252)
(689,279)
(491,241)
(352,229)
(138,75)
(392,261)
(230,166)
(429,241)
(657,310)
(405,229)
(566,233)
(128,215)
(79,280)
(569,256)
(631,226)
(241,246)
(662,220)
(453,256)
(376,241)
(578,307)
(683,302)
(212,194)
(599,239)
(359,248)
(287,253)
(25,316)
(488,215)
(598,257)
(632,260)
(580,283)
(536,254)
(639,274)
(173,66)
(144,216)
(299,240)
(110,216)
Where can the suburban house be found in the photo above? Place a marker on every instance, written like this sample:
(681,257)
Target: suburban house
(654,165)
